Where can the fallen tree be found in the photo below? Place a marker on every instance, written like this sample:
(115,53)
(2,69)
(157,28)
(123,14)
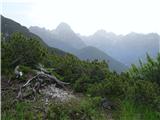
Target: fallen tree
(38,82)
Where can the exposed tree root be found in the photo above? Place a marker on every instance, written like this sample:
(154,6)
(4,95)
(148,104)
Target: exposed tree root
(39,81)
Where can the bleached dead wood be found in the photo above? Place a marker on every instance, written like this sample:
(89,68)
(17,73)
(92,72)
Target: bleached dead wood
(37,82)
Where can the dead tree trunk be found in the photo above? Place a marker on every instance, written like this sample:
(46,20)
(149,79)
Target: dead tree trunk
(36,83)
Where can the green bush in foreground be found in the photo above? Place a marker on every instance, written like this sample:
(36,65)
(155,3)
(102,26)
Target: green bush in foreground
(131,111)
(85,109)
(21,50)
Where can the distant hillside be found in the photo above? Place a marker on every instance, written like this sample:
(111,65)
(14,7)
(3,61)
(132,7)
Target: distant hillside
(51,39)
(128,48)
(92,53)
(66,34)
(8,27)
(63,37)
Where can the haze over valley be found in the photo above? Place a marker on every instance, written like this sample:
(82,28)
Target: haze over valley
(127,49)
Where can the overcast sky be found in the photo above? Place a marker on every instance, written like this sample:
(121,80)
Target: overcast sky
(87,16)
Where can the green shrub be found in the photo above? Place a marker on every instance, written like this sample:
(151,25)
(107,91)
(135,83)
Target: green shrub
(115,86)
(21,50)
(146,92)
(75,110)
(148,71)
(131,111)
(25,69)
(86,108)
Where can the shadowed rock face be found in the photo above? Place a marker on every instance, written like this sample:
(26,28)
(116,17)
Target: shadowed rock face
(63,27)
(66,34)
(107,104)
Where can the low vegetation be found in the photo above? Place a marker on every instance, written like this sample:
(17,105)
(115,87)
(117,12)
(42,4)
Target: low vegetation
(134,94)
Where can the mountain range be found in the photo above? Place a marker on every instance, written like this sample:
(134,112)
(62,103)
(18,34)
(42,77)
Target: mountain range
(61,41)
(92,53)
(119,51)
(8,27)
(63,37)
(127,49)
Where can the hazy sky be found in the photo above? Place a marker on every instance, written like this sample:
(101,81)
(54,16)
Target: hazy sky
(87,16)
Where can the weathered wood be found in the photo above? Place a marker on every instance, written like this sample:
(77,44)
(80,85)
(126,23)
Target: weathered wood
(19,96)
(27,83)
(17,72)
(53,78)
(37,82)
